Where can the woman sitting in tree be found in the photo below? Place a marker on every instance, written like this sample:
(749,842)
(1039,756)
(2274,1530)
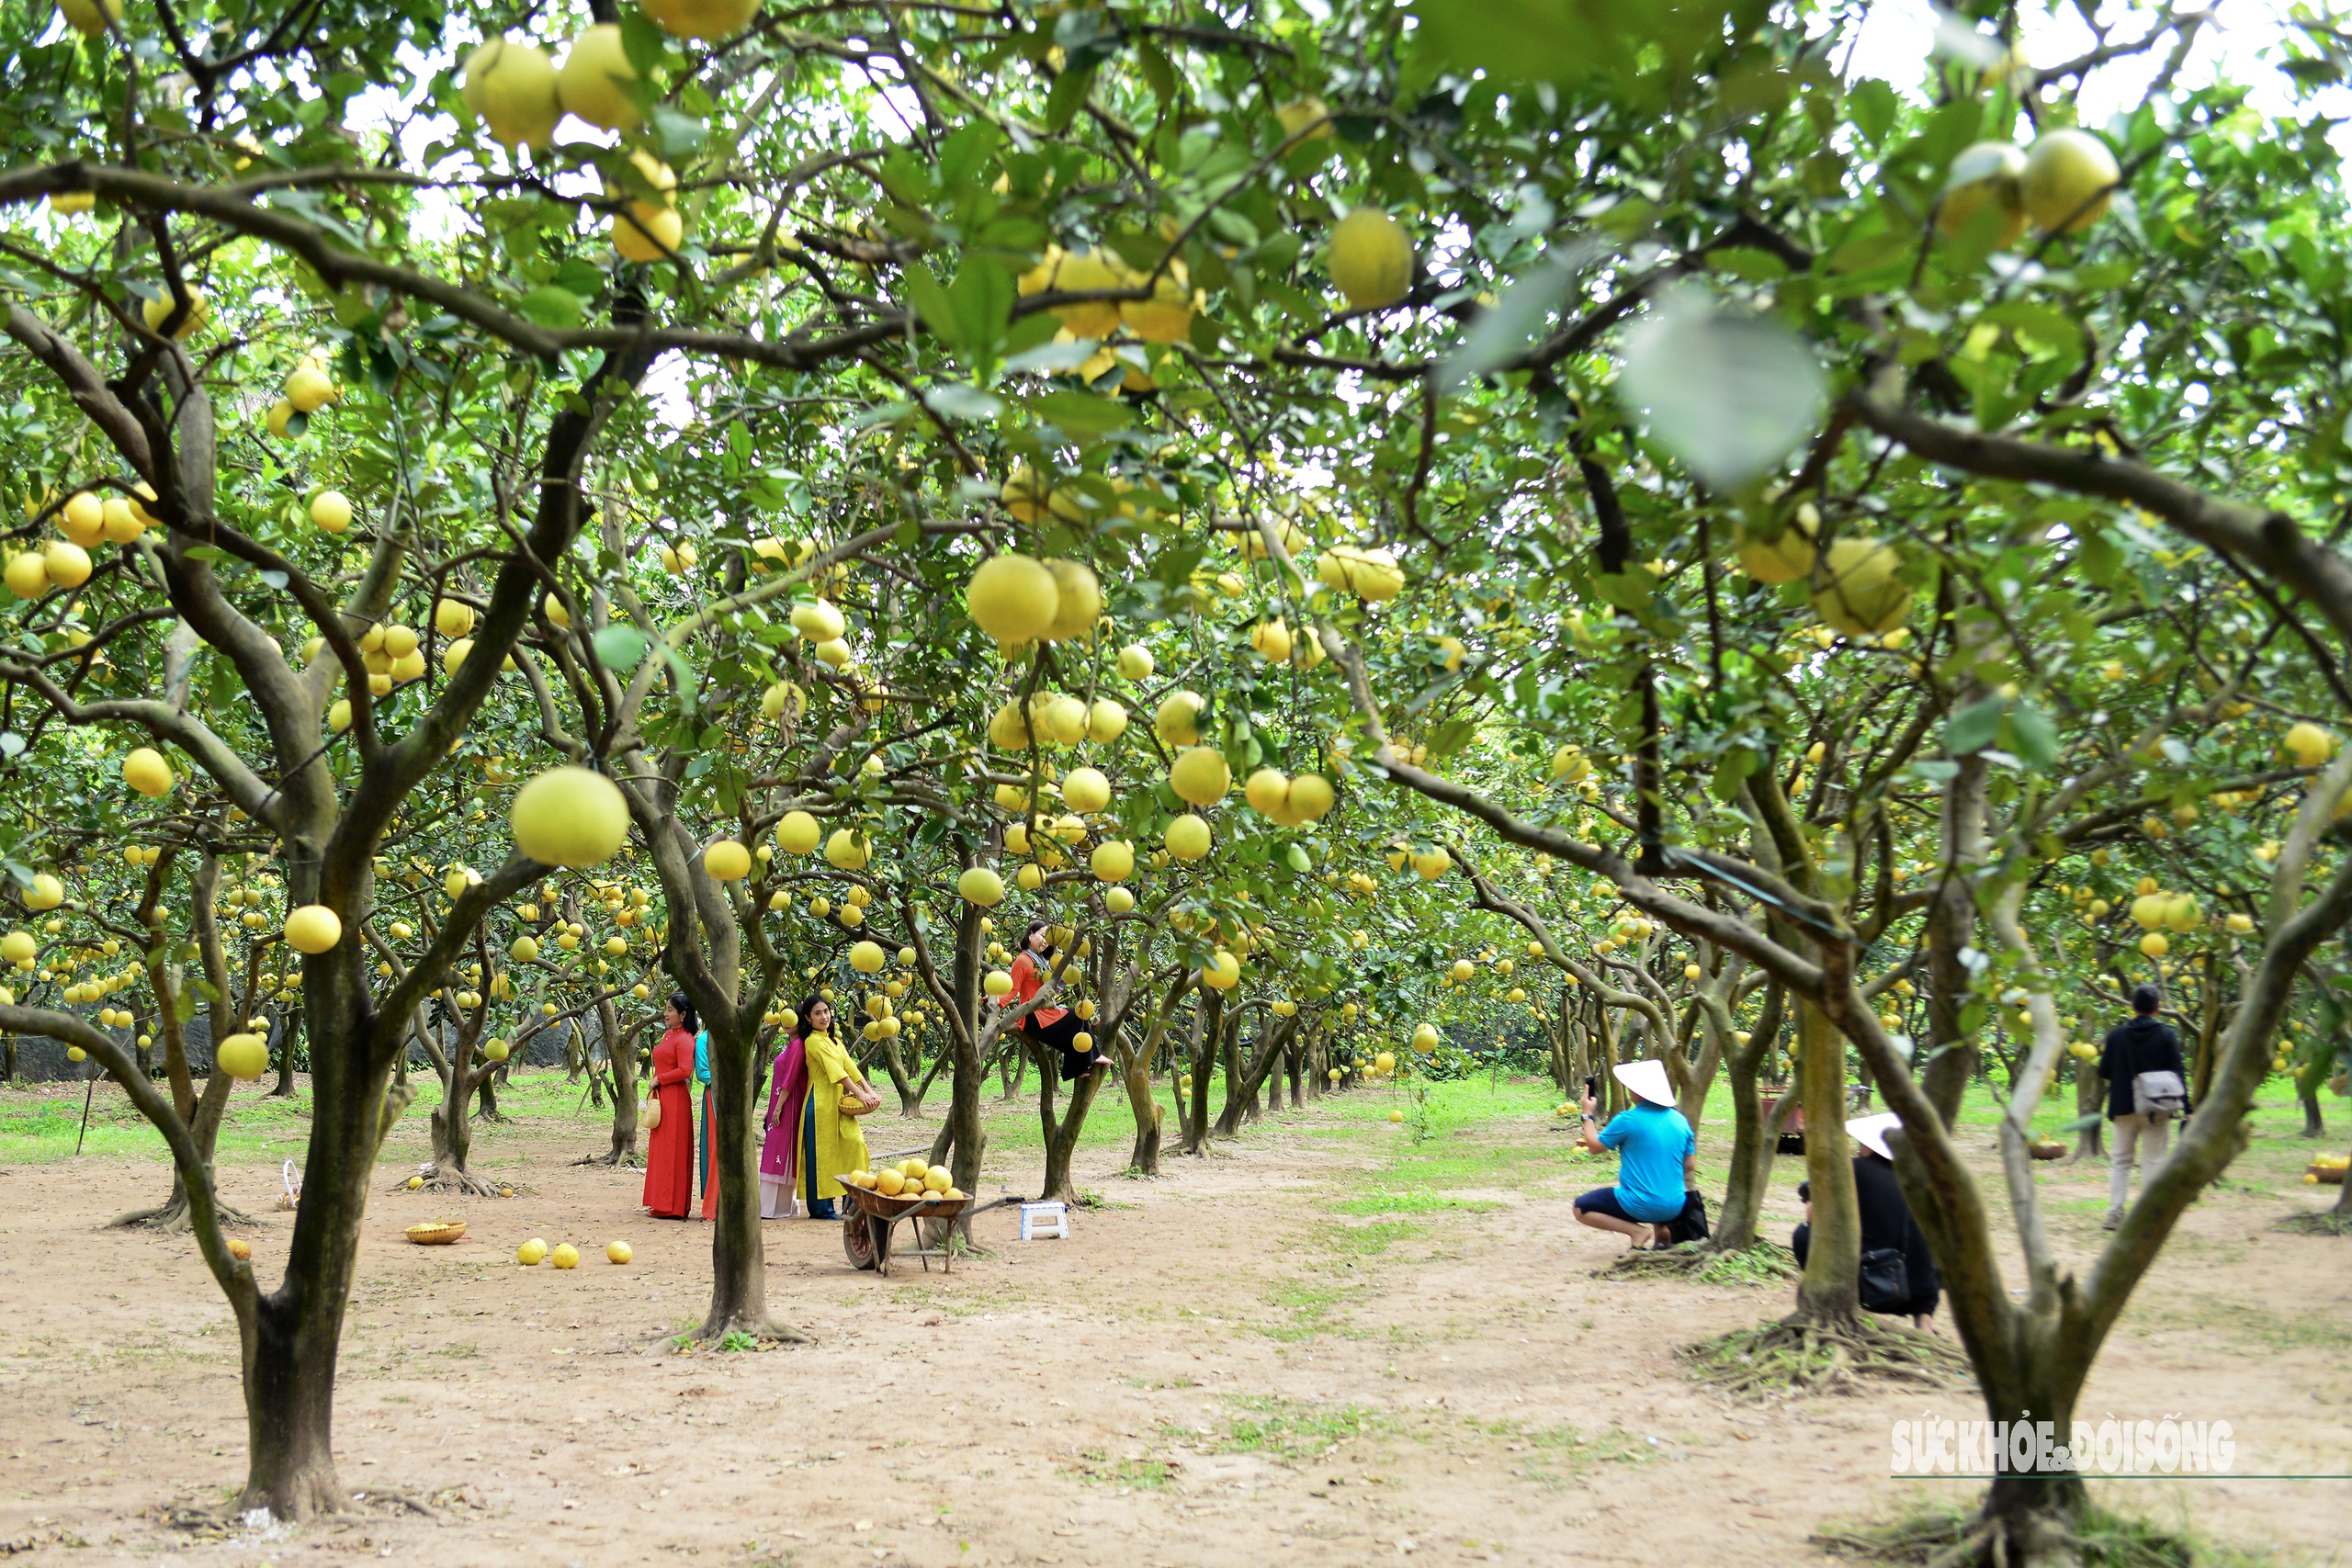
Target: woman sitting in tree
(1056,1027)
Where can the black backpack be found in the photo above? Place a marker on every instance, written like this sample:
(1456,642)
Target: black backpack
(1691,1224)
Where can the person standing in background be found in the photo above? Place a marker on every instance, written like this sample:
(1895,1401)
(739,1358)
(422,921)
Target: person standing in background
(2148,1085)
(836,1143)
(670,1150)
(787,1118)
(709,1165)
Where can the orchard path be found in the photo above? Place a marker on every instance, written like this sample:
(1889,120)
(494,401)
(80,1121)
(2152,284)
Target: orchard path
(1245,1360)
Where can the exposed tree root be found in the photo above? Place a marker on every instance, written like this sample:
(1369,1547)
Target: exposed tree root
(735,1335)
(1794,1356)
(1967,1539)
(616,1159)
(172,1219)
(453,1180)
(2325,1222)
(1765,1263)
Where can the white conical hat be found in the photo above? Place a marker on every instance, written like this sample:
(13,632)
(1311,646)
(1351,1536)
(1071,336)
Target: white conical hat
(1873,1130)
(1646,1079)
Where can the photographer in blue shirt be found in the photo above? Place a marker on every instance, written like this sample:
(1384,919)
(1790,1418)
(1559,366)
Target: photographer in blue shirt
(1657,1159)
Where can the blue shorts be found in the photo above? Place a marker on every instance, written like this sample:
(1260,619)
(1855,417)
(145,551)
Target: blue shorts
(1604,1201)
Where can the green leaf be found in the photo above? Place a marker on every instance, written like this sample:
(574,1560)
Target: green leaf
(1067,98)
(1729,395)
(1079,414)
(1974,727)
(2035,738)
(618,647)
(552,306)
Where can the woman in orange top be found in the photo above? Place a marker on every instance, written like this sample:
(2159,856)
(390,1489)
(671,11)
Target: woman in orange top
(670,1153)
(1047,1025)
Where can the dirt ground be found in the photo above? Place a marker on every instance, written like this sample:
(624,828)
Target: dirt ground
(1324,1342)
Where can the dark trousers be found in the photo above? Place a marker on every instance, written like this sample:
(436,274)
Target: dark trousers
(1061,1034)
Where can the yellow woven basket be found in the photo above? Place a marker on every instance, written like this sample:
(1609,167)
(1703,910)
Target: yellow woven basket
(435,1232)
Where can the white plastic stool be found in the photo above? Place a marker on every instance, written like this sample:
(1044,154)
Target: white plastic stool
(1039,1220)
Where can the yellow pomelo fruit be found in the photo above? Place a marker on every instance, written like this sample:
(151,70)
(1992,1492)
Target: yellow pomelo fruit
(2155,944)
(727,861)
(66,563)
(1861,593)
(313,928)
(330,510)
(1012,598)
(1783,559)
(1267,790)
(569,816)
(1113,861)
(243,1056)
(1078,600)
(2309,744)
(154,312)
(1989,173)
(1425,1039)
(1063,719)
(797,833)
(532,1253)
(1188,837)
(511,86)
(618,1252)
(1119,900)
(593,80)
(27,575)
(452,619)
(1309,115)
(1222,972)
(1085,789)
(89,18)
(1368,574)
(845,851)
(1310,797)
(706,21)
(867,957)
(982,887)
(2068,180)
(565,1256)
(145,770)
(1200,775)
(1176,720)
(1370,259)
(1135,661)
(308,389)
(1105,721)
(83,518)
(1089,272)
(645,233)
(819,621)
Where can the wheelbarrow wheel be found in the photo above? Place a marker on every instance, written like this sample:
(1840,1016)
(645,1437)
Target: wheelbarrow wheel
(857,1240)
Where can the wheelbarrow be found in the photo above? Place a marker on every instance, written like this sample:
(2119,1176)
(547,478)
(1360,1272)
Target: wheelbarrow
(867,1228)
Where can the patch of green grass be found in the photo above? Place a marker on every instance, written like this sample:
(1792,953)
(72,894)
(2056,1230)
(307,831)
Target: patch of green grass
(1097,1468)
(1289,1430)
(1304,1310)
(1363,1240)
(1419,1202)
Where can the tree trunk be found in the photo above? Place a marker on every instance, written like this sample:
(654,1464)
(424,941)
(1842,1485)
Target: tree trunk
(2308,1081)
(2090,1099)
(1830,1291)
(739,1291)
(289,1033)
(1951,1057)
(1242,1088)
(1209,1026)
(896,1066)
(291,1337)
(620,1056)
(961,1137)
(1750,1175)
(1061,1136)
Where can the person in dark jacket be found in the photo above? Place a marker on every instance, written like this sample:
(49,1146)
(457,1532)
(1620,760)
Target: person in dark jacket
(2146,1045)
(1886,1218)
